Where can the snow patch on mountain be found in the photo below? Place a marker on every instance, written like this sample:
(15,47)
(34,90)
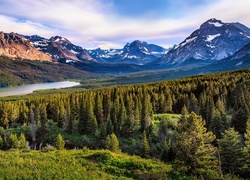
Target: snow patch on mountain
(216,24)
(212,37)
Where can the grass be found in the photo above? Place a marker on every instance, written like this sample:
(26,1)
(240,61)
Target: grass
(80,164)
(171,118)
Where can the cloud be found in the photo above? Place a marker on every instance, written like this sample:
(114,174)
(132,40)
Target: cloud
(93,23)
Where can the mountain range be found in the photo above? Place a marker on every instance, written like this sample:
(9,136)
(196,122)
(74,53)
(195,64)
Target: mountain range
(214,43)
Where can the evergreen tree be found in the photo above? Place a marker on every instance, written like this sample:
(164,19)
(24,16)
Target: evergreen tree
(33,124)
(239,120)
(122,116)
(61,115)
(194,153)
(60,143)
(164,152)
(43,115)
(98,109)
(22,142)
(247,147)
(91,123)
(216,125)
(110,128)
(103,131)
(231,152)
(112,143)
(146,113)
(145,146)
(13,141)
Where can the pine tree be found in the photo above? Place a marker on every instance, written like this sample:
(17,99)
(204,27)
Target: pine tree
(61,115)
(103,131)
(164,152)
(22,142)
(145,146)
(98,109)
(247,143)
(60,143)
(231,152)
(13,141)
(33,124)
(146,113)
(110,128)
(216,125)
(112,143)
(194,153)
(43,115)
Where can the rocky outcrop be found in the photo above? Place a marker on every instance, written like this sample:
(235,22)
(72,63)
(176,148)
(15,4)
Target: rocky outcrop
(14,46)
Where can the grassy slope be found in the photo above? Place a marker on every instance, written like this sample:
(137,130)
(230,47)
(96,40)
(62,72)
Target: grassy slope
(80,164)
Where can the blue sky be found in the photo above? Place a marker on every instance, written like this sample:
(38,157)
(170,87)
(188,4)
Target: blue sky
(113,23)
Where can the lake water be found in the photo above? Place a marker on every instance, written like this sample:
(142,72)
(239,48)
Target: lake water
(30,88)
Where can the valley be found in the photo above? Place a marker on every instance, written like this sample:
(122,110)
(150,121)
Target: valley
(141,111)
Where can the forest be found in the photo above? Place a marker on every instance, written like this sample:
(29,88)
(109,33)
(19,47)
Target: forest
(200,125)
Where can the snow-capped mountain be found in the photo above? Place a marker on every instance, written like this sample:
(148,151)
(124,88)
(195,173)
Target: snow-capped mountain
(213,41)
(137,52)
(59,48)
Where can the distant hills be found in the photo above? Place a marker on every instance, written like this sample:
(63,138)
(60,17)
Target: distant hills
(215,44)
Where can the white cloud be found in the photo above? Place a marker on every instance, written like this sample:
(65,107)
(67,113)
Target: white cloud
(93,23)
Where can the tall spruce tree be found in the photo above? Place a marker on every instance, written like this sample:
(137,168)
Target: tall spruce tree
(247,146)
(145,146)
(195,154)
(231,153)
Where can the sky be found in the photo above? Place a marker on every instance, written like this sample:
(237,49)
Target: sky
(113,23)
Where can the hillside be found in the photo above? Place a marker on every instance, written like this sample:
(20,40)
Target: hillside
(17,72)
(80,164)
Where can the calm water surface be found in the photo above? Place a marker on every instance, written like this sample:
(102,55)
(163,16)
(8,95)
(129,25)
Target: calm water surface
(28,89)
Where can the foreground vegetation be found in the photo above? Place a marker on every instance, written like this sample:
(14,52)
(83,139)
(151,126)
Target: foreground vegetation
(195,124)
(80,164)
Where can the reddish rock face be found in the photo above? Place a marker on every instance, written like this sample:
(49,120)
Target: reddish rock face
(14,46)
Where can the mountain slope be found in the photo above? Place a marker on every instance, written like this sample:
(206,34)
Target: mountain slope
(14,46)
(241,59)
(60,49)
(26,72)
(213,41)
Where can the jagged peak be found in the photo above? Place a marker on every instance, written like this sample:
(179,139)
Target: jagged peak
(59,39)
(214,22)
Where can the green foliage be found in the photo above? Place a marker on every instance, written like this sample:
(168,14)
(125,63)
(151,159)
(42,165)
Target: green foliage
(247,147)
(60,143)
(195,154)
(14,141)
(231,153)
(112,143)
(145,146)
(76,164)
(22,142)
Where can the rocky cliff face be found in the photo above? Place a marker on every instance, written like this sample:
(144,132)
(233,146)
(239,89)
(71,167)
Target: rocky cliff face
(14,46)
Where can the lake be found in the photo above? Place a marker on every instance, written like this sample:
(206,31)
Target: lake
(30,88)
